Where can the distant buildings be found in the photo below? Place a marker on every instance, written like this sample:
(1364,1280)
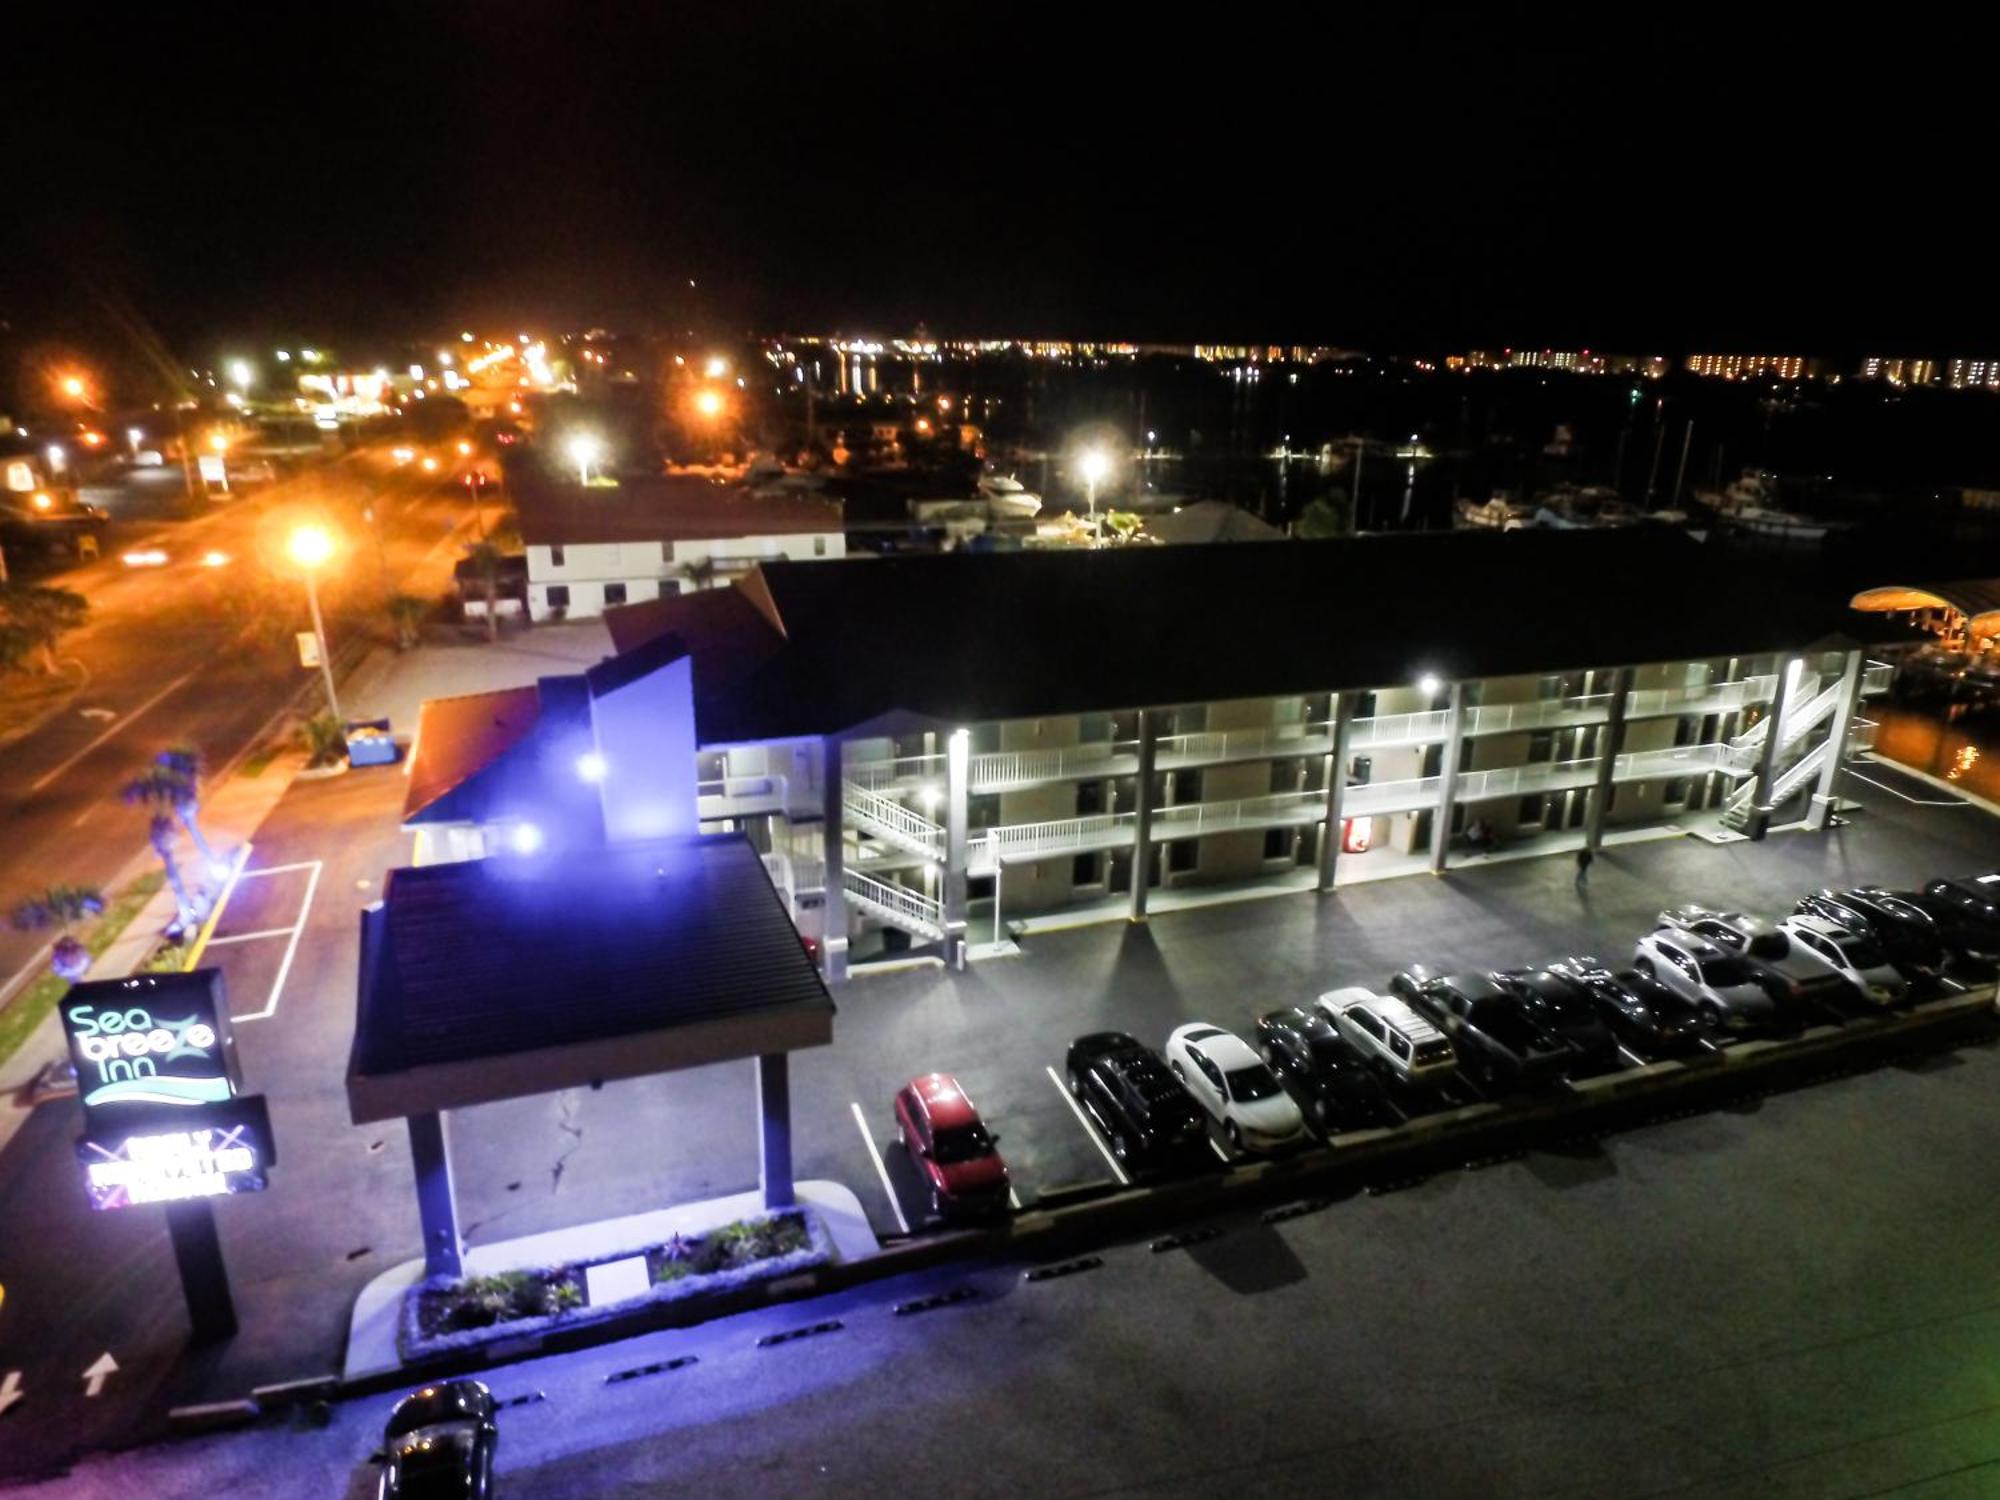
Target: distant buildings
(1579,361)
(1968,373)
(1751,366)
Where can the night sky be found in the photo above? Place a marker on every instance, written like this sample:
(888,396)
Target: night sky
(1437,180)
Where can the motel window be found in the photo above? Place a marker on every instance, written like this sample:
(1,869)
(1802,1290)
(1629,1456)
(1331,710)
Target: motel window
(1184,855)
(1541,745)
(1087,869)
(558,596)
(1089,798)
(555,557)
(1364,705)
(1093,729)
(819,546)
(1186,787)
(1529,813)
(1278,842)
(614,593)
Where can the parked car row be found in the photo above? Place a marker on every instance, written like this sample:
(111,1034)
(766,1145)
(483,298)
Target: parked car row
(1701,977)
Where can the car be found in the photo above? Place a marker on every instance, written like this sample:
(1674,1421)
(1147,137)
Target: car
(951,1148)
(1908,934)
(1854,955)
(1495,1038)
(1728,993)
(1332,1082)
(1646,1015)
(439,1444)
(1127,1088)
(1392,1036)
(1559,1005)
(1967,913)
(1796,975)
(1239,1091)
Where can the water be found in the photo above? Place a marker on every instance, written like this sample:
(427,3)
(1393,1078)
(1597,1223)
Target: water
(1952,746)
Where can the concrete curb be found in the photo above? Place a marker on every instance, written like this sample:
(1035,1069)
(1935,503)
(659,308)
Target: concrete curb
(1086,1215)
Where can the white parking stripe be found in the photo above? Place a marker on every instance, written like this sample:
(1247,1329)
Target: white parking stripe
(1220,1154)
(291,950)
(1630,1056)
(251,937)
(302,864)
(1089,1129)
(881,1167)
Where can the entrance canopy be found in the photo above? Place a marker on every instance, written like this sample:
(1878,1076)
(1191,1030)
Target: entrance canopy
(511,976)
(1976,599)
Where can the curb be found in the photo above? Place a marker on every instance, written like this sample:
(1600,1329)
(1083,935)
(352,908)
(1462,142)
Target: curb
(1091,1215)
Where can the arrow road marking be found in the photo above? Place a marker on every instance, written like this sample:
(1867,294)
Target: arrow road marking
(97,1374)
(10,1391)
(133,717)
(98,713)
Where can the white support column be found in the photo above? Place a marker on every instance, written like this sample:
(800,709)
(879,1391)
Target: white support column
(957,767)
(833,904)
(1142,814)
(1448,779)
(437,1205)
(1336,788)
(1820,813)
(1607,762)
(774,1129)
(1759,822)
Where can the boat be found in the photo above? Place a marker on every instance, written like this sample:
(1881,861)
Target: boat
(1747,504)
(1007,499)
(1497,514)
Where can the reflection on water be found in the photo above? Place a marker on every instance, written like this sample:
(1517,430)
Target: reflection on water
(1965,750)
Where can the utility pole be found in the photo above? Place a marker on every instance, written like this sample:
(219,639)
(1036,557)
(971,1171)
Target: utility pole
(1653,474)
(1680,474)
(1354,500)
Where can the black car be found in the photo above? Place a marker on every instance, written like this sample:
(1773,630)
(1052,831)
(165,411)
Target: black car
(439,1444)
(1499,1038)
(1908,934)
(1562,1006)
(1967,913)
(1331,1081)
(1642,1013)
(1127,1088)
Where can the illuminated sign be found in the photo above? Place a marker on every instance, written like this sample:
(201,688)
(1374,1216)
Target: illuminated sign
(155,1040)
(169,1156)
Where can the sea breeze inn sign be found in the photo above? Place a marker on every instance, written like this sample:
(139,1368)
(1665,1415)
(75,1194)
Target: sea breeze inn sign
(157,1074)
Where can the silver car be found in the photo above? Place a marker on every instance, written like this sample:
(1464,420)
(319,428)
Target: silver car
(1723,987)
(1856,956)
(1798,972)
(1390,1034)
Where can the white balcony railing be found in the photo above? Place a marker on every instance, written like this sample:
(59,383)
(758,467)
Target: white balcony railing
(1384,730)
(1875,678)
(1189,819)
(1008,770)
(1212,747)
(888,819)
(896,904)
(745,797)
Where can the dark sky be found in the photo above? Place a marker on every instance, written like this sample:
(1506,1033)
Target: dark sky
(1613,177)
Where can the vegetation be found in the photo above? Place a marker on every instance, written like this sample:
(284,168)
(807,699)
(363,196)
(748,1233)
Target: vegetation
(1322,519)
(28,1009)
(161,789)
(407,613)
(61,908)
(33,618)
(325,739)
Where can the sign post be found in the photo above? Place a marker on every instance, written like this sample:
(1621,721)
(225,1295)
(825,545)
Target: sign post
(157,1073)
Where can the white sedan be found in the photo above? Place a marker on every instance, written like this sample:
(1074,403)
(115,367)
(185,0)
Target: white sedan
(1855,956)
(1233,1084)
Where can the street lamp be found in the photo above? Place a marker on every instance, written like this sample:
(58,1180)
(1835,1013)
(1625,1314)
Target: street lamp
(709,403)
(75,387)
(240,374)
(584,451)
(310,547)
(1093,464)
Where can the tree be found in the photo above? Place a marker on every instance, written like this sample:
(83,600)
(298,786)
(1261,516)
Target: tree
(325,740)
(161,790)
(36,616)
(61,907)
(183,764)
(408,614)
(486,555)
(1321,519)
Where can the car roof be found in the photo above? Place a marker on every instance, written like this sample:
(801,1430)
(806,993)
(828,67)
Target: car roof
(1301,1017)
(1693,944)
(1350,994)
(1475,986)
(1824,926)
(944,1101)
(1397,1013)
(1224,1049)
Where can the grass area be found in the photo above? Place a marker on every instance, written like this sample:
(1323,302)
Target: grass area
(259,763)
(26,696)
(27,1009)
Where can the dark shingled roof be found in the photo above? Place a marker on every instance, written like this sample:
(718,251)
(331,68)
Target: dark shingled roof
(966,637)
(506,976)
(662,508)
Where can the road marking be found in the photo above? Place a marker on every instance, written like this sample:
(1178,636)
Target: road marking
(251,937)
(291,950)
(201,942)
(124,723)
(881,1167)
(1013,1198)
(10,1391)
(97,1374)
(1220,1154)
(298,864)
(1913,801)
(1089,1129)
(1634,1058)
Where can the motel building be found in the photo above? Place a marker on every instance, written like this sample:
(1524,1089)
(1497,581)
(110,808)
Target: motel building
(646,537)
(927,749)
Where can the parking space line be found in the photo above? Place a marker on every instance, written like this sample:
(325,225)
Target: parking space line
(881,1167)
(1089,1129)
(291,950)
(251,937)
(1220,1154)
(299,864)
(1630,1056)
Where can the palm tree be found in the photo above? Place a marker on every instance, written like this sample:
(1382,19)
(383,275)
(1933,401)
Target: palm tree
(485,559)
(35,617)
(408,613)
(183,762)
(61,907)
(160,789)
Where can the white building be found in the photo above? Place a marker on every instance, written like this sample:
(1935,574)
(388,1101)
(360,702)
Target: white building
(594,549)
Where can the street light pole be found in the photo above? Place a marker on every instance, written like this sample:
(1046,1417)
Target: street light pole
(319,635)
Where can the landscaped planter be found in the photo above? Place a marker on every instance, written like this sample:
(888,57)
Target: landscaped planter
(441,1314)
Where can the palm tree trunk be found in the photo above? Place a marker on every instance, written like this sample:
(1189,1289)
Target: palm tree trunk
(492,604)
(185,907)
(190,816)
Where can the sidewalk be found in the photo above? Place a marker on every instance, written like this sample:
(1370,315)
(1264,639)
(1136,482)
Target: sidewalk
(393,685)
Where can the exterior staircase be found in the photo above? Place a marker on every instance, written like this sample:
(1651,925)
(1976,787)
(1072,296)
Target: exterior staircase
(896,905)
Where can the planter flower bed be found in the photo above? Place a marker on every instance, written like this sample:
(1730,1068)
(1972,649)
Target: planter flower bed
(443,1313)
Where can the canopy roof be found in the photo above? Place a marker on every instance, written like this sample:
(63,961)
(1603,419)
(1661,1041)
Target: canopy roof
(1978,599)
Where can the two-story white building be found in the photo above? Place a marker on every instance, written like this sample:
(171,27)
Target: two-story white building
(931,745)
(596,548)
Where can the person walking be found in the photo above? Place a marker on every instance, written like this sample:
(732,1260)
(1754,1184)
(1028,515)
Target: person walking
(1583,858)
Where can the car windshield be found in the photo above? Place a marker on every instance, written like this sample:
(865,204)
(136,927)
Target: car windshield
(1247,1085)
(1769,945)
(962,1144)
(1724,972)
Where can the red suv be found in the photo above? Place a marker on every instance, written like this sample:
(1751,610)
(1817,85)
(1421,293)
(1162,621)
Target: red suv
(950,1147)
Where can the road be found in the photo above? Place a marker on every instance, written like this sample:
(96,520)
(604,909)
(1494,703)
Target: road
(191,653)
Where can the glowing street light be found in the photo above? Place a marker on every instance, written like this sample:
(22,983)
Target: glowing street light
(75,388)
(1094,464)
(240,374)
(1428,684)
(709,403)
(311,547)
(584,450)
(716,368)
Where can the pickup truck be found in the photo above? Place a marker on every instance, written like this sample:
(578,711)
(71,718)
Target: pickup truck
(1498,1042)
